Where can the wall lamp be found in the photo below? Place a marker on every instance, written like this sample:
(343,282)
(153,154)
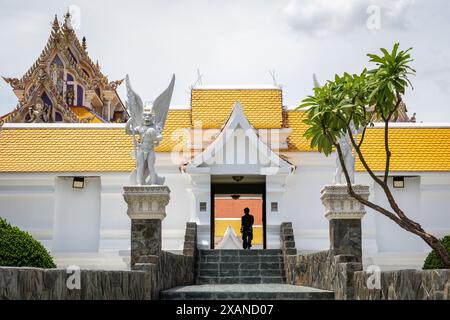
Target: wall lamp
(237,178)
(78,182)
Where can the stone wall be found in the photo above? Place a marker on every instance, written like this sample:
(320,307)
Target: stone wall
(50,284)
(170,270)
(404,285)
(324,270)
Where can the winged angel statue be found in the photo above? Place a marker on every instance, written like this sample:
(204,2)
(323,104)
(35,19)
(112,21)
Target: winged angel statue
(146,123)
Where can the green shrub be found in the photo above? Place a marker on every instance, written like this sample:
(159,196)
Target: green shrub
(433,261)
(19,249)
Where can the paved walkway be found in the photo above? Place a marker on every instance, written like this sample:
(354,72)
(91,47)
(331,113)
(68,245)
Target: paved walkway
(270,291)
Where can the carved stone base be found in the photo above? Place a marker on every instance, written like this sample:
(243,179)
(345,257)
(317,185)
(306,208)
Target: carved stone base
(344,213)
(146,209)
(146,202)
(340,205)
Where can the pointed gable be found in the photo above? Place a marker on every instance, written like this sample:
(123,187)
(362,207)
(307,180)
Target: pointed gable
(238,149)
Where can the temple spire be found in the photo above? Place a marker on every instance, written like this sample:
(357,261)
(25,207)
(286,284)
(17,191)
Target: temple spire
(83,43)
(55,24)
(68,20)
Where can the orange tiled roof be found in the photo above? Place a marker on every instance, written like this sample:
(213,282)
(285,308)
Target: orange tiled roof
(296,141)
(412,149)
(87,149)
(65,150)
(85,115)
(174,135)
(212,107)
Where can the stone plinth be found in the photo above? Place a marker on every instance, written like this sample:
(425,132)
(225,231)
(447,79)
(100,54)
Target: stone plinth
(146,209)
(344,214)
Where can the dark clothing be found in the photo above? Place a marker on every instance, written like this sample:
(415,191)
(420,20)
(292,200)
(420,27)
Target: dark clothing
(247,230)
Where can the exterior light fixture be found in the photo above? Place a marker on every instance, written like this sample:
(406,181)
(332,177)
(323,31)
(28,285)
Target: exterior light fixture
(78,182)
(237,178)
(399,182)
(235,196)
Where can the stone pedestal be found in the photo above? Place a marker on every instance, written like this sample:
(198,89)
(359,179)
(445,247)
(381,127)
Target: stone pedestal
(146,209)
(344,214)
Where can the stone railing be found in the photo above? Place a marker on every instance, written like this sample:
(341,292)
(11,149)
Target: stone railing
(325,270)
(403,285)
(190,240)
(51,284)
(288,250)
(168,271)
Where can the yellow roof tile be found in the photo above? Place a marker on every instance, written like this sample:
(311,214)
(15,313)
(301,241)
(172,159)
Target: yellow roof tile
(85,115)
(212,107)
(412,149)
(296,141)
(79,149)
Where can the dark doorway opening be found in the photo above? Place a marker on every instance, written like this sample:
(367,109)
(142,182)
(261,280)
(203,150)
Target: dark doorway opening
(228,200)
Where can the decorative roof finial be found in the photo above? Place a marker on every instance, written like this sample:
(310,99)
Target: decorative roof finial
(97,64)
(68,20)
(83,43)
(55,24)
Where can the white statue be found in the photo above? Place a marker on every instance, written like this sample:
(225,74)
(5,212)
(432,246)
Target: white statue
(348,155)
(148,123)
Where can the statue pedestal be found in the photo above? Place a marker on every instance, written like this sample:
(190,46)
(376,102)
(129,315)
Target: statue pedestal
(344,214)
(146,209)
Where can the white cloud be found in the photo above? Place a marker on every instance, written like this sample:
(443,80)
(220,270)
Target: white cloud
(322,18)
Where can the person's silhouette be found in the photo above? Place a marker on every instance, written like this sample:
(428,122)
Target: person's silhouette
(247,229)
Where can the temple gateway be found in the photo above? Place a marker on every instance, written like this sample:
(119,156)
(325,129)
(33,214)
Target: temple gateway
(65,158)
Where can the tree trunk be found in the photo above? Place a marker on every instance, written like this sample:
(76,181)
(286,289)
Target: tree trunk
(399,218)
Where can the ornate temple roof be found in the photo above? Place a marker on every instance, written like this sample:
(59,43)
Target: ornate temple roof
(103,147)
(62,77)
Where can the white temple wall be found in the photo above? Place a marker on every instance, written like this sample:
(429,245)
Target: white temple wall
(27,201)
(76,216)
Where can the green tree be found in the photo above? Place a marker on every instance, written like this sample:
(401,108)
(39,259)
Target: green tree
(358,100)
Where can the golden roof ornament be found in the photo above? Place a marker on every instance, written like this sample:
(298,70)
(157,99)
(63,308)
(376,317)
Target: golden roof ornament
(83,43)
(68,20)
(55,24)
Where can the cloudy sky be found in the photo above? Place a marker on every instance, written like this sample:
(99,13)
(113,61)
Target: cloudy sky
(239,42)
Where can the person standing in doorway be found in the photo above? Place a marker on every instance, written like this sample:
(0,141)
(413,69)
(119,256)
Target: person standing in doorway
(247,228)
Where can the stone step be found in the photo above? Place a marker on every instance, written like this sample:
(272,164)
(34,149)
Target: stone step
(240,273)
(220,259)
(246,292)
(234,252)
(239,279)
(240,266)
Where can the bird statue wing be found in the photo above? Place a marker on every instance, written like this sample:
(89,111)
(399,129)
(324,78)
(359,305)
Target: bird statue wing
(161,105)
(134,104)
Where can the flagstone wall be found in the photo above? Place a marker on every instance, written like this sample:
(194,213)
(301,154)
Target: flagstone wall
(324,270)
(403,285)
(169,271)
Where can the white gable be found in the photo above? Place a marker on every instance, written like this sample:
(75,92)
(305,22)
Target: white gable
(238,150)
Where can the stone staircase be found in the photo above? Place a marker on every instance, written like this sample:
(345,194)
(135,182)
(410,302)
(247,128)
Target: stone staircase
(242,275)
(239,266)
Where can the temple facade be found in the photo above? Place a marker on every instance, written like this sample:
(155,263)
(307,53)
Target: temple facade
(232,147)
(65,85)
(63,166)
